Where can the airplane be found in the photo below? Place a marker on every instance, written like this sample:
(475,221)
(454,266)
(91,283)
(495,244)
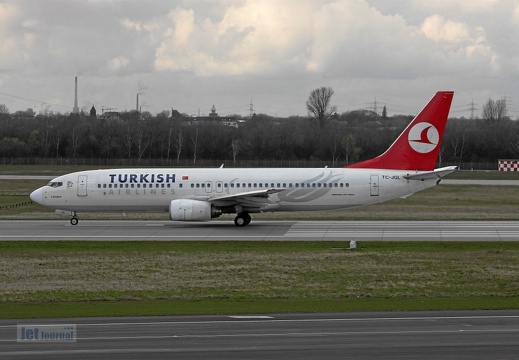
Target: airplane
(202,194)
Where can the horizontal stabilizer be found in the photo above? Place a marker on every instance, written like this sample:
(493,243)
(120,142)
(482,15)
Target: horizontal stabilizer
(435,174)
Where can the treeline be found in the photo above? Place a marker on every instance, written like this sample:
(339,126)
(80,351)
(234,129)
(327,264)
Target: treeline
(343,139)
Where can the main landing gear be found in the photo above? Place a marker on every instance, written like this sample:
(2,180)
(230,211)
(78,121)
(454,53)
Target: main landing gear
(242,219)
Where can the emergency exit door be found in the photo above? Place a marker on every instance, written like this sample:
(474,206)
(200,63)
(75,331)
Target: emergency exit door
(374,185)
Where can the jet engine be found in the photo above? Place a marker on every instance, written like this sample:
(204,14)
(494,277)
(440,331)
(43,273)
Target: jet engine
(192,210)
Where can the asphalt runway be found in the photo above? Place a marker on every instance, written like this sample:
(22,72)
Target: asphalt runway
(91,230)
(403,335)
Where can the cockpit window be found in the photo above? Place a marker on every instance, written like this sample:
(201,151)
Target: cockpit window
(55,184)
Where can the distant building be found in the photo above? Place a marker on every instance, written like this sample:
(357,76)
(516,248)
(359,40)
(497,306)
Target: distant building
(175,114)
(111,115)
(232,121)
(93,112)
(213,113)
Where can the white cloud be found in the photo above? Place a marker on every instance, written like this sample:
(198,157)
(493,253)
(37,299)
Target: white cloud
(463,6)
(435,27)
(251,37)
(119,63)
(273,50)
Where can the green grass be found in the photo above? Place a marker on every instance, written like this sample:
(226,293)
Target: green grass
(257,306)
(46,279)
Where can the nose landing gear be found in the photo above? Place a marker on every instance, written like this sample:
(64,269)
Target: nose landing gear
(74,220)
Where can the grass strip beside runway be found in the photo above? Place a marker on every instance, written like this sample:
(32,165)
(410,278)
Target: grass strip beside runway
(68,279)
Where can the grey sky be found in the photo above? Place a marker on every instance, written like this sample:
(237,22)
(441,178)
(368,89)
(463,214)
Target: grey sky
(189,55)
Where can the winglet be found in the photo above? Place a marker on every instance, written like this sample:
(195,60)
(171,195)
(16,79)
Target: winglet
(418,145)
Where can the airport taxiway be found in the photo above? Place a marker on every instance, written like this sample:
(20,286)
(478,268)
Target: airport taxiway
(92,230)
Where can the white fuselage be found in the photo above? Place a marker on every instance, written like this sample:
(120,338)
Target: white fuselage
(296,189)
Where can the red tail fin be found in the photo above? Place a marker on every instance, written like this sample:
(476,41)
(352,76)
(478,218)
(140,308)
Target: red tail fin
(418,145)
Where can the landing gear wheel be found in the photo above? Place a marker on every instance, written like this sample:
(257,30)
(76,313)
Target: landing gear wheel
(242,219)
(74,221)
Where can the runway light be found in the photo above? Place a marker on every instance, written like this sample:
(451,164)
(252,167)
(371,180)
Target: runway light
(353,245)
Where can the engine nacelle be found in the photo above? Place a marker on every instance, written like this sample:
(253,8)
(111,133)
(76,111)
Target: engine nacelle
(192,210)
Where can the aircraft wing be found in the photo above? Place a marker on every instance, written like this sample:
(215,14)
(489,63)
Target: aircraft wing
(435,174)
(248,199)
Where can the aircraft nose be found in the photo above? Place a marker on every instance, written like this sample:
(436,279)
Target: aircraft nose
(37,196)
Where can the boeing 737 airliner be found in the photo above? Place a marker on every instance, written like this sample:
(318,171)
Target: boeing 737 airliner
(203,194)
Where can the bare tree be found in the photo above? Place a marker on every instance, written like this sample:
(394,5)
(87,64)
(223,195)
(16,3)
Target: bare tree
(235,144)
(318,105)
(168,150)
(179,141)
(348,144)
(56,138)
(75,140)
(127,138)
(495,110)
(194,140)
(142,139)
(514,145)
(459,146)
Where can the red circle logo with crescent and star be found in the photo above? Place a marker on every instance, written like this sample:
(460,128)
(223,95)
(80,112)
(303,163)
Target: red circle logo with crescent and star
(423,137)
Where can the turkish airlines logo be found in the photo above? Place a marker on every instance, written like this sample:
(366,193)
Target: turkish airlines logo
(423,137)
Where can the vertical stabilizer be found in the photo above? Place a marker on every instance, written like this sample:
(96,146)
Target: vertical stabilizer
(418,145)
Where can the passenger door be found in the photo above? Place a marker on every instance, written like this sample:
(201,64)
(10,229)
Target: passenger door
(82,181)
